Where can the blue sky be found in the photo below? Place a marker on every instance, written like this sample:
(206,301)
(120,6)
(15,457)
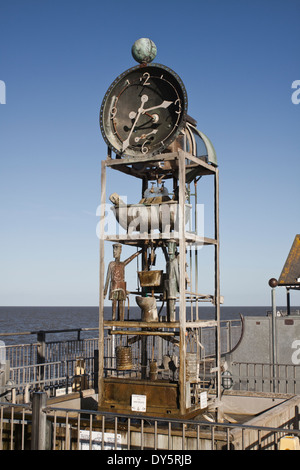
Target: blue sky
(237,59)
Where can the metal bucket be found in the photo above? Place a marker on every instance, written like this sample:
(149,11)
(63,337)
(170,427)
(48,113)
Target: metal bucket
(150,278)
(124,358)
(192,367)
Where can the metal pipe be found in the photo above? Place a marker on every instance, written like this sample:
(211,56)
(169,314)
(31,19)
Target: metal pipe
(196,231)
(288,303)
(142,333)
(274,345)
(140,324)
(217,282)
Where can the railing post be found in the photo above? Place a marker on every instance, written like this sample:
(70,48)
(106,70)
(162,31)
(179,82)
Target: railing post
(39,421)
(41,353)
(96,368)
(274,339)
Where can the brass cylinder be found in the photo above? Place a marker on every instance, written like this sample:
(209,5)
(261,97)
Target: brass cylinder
(124,358)
(153,370)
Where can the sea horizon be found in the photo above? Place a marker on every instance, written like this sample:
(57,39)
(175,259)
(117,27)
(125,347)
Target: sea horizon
(29,320)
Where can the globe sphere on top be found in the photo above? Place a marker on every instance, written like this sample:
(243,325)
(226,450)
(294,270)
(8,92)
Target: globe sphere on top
(144,50)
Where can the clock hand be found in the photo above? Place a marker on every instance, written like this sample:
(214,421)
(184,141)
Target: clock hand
(164,104)
(144,136)
(153,116)
(144,99)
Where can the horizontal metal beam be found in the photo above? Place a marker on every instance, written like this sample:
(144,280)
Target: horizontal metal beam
(142,333)
(141,324)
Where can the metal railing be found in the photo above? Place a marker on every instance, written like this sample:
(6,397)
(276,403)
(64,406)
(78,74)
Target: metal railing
(42,427)
(41,350)
(51,364)
(8,423)
(265,377)
(53,377)
(87,429)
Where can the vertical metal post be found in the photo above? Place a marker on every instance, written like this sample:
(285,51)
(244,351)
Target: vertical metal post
(274,345)
(41,353)
(196,248)
(217,284)
(112,346)
(39,421)
(182,304)
(101,284)
(41,350)
(96,369)
(144,340)
(288,301)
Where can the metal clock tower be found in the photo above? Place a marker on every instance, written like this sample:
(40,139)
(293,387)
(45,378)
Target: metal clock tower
(154,363)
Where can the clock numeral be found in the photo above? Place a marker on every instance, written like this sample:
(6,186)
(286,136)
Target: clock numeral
(144,148)
(179,106)
(146,77)
(113,112)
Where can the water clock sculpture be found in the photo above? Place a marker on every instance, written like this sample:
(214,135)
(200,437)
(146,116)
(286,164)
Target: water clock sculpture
(153,363)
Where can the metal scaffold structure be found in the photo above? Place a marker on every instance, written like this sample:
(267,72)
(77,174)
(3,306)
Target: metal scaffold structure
(151,139)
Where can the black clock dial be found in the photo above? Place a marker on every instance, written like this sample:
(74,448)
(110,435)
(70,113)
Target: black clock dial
(143,111)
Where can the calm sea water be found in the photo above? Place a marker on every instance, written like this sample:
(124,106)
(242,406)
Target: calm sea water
(32,319)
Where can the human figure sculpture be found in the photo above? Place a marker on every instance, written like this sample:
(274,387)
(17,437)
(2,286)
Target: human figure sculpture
(172,281)
(115,279)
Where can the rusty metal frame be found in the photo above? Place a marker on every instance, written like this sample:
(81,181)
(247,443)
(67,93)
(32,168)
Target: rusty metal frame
(178,160)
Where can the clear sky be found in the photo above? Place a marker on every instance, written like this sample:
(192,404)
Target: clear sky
(237,59)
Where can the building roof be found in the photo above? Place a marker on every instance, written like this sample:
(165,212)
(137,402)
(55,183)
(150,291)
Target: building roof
(290,274)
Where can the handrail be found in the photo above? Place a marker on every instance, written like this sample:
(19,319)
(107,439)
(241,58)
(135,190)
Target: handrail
(192,422)
(20,333)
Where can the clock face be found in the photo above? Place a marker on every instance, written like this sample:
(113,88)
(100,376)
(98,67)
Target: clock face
(143,111)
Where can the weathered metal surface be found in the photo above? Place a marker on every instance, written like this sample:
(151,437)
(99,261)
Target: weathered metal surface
(190,157)
(290,275)
(161,397)
(250,362)
(192,367)
(143,218)
(201,146)
(153,370)
(124,358)
(124,112)
(150,278)
(149,309)
(144,51)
